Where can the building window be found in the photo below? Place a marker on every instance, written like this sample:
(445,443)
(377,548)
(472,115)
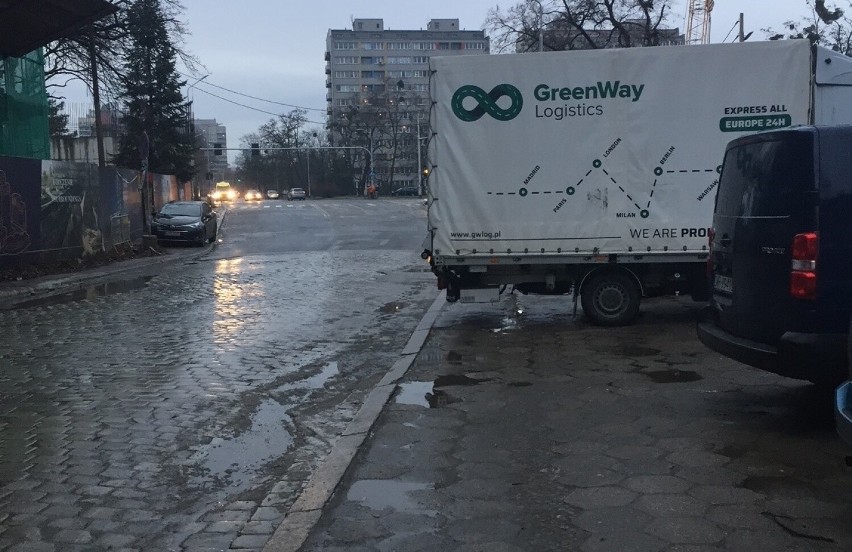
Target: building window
(346,74)
(399,60)
(420,59)
(344,45)
(424,46)
(372,74)
(347,88)
(372,46)
(347,60)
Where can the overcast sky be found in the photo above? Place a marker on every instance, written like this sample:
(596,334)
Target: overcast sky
(275,49)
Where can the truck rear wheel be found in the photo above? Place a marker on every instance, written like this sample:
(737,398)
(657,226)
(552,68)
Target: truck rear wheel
(611,299)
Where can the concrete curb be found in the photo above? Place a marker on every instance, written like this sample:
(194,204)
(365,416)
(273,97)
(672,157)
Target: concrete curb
(307,510)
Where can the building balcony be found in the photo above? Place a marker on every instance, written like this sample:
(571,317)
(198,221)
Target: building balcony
(327,55)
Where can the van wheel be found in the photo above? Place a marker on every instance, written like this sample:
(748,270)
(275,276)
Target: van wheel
(611,299)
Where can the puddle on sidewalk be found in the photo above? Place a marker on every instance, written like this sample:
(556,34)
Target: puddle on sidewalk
(426,393)
(87,293)
(381,494)
(672,376)
(237,460)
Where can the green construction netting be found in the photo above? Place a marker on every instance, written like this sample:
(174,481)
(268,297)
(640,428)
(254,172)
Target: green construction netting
(23,107)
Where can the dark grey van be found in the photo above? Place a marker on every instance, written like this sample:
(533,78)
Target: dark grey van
(781,253)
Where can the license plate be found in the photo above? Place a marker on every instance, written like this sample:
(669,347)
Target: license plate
(725,284)
(172,234)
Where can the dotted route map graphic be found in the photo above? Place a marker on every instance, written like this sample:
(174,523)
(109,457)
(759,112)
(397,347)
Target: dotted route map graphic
(598,166)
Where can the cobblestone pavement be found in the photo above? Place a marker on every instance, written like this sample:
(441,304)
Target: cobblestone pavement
(152,419)
(518,428)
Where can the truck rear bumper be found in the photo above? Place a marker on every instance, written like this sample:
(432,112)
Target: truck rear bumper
(819,358)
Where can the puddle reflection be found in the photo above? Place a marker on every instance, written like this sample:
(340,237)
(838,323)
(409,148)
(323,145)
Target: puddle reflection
(235,460)
(87,293)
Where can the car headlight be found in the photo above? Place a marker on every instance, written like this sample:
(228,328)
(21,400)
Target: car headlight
(197,224)
(217,195)
(231,194)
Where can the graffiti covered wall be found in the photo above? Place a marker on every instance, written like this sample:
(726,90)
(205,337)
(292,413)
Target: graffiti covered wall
(62,210)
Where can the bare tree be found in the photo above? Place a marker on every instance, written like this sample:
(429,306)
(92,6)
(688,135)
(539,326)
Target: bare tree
(579,24)
(106,41)
(824,25)
(270,167)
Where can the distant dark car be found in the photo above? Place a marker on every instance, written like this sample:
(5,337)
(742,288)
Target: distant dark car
(188,221)
(410,191)
(296,193)
(781,253)
(272,194)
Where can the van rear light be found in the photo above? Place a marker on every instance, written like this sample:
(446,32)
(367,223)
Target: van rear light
(803,267)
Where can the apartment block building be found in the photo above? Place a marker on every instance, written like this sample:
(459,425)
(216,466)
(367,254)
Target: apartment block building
(377,82)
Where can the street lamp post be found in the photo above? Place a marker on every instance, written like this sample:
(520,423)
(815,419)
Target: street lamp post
(370,175)
(540,26)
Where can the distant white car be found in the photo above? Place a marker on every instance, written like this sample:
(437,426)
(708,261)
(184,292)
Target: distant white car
(252,195)
(296,193)
(272,194)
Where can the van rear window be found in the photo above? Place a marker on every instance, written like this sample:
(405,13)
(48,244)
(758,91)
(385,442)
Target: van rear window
(767,178)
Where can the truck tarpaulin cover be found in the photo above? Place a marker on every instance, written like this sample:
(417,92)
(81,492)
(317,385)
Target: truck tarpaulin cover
(598,151)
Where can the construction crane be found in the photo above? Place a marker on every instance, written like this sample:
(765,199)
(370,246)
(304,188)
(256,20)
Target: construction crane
(698,21)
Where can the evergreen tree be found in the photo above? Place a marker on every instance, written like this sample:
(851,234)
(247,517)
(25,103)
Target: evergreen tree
(57,120)
(152,97)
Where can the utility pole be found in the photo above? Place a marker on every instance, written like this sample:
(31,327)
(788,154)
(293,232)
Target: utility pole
(742,28)
(96,96)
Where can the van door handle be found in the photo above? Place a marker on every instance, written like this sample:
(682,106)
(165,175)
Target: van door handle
(725,241)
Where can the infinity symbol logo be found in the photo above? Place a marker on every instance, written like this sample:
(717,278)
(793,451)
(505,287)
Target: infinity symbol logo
(487,102)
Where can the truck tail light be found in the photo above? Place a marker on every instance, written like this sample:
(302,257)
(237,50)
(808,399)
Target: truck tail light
(803,267)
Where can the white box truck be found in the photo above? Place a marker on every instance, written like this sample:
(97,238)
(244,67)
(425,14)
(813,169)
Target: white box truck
(594,172)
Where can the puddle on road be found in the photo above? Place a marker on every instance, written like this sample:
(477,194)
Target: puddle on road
(87,293)
(391,308)
(381,494)
(317,381)
(672,376)
(237,460)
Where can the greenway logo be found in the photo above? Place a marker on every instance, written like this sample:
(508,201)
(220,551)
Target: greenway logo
(487,102)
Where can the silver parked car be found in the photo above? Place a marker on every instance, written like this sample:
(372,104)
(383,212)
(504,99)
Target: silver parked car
(296,193)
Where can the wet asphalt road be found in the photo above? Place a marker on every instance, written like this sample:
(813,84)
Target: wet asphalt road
(187,410)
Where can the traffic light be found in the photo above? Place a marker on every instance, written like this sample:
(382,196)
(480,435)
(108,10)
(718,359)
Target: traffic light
(255,149)
(217,148)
